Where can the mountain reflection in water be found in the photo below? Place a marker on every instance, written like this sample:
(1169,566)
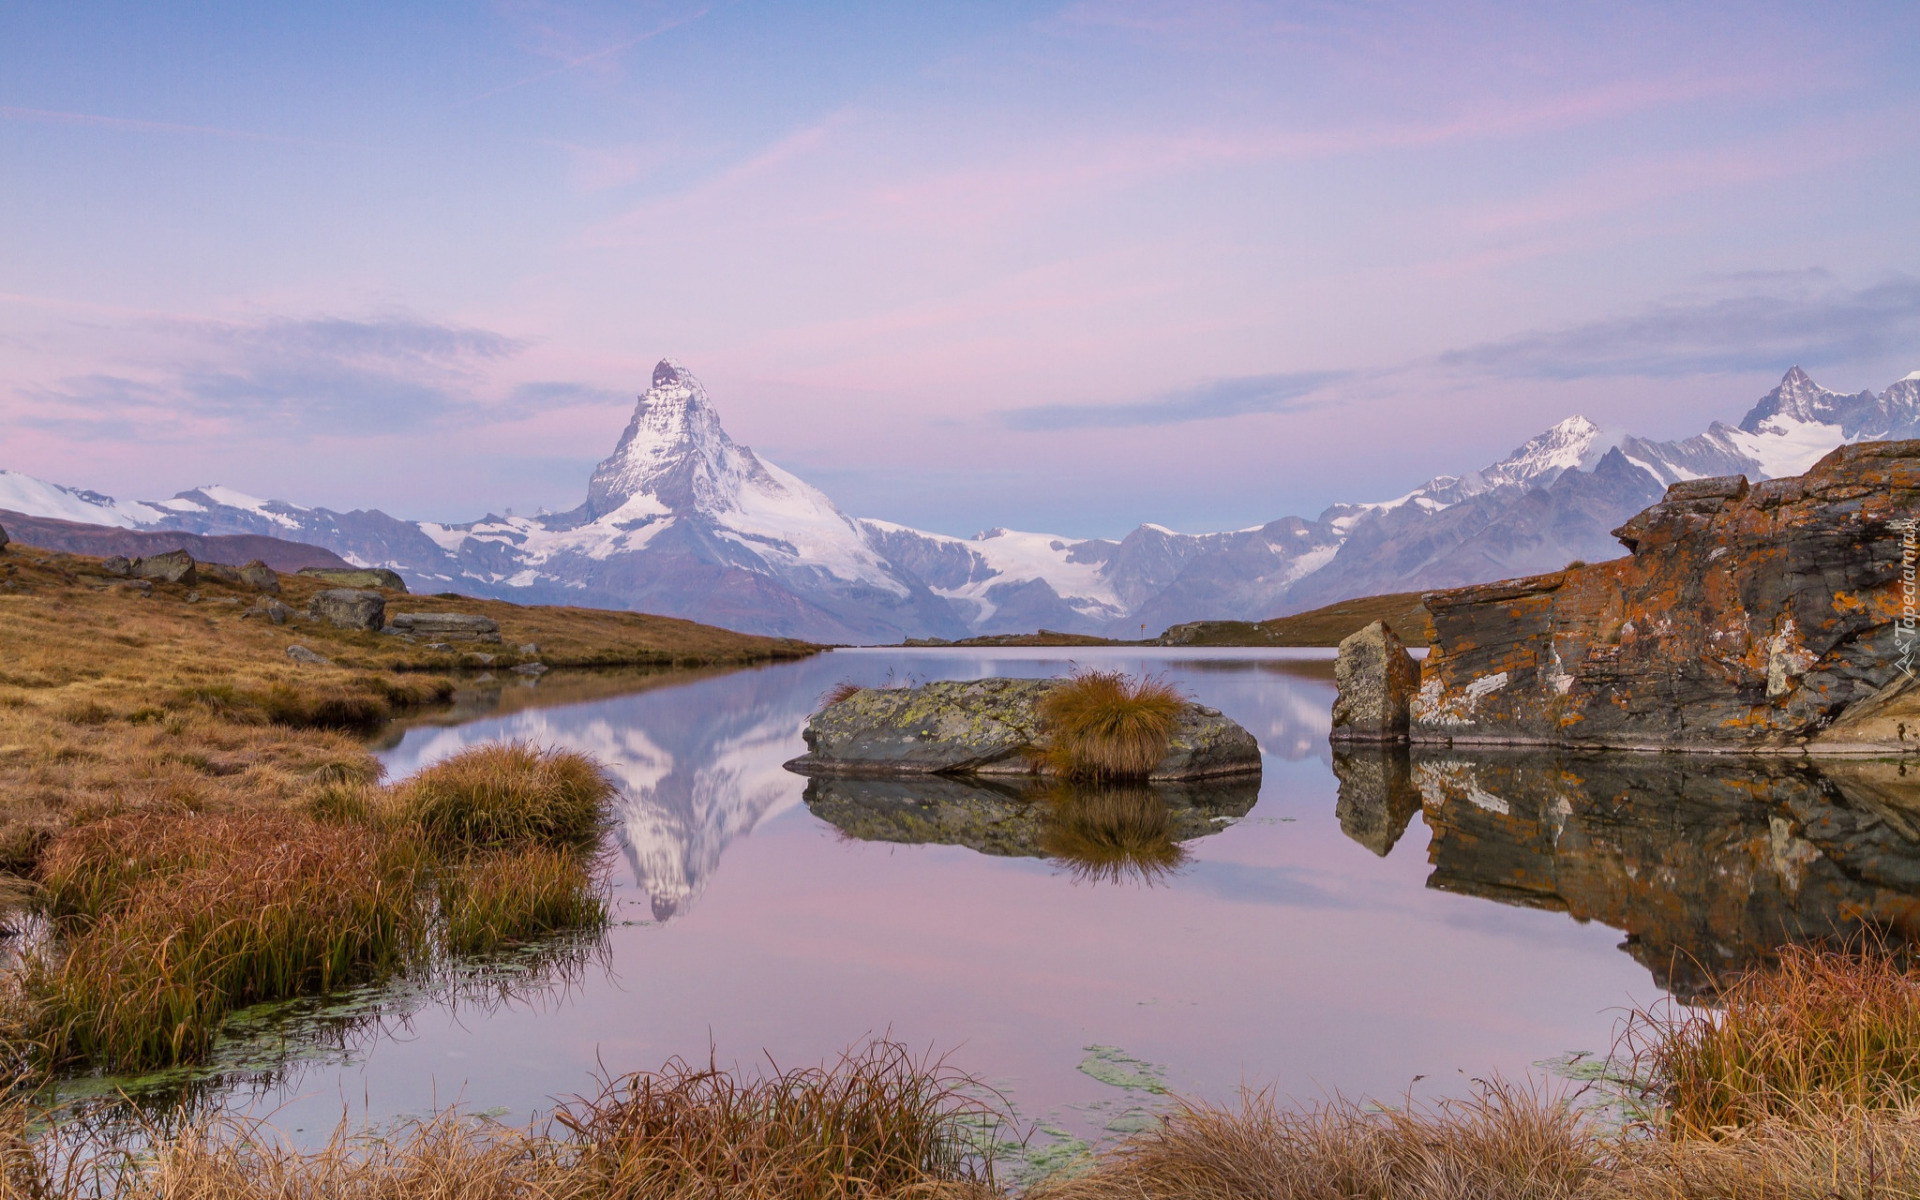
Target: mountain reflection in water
(1708,863)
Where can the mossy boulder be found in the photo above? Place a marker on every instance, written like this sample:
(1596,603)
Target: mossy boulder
(990,727)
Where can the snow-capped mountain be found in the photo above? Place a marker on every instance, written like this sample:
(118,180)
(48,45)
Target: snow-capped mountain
(682,520)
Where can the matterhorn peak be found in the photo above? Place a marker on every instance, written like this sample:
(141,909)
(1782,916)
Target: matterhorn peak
(669,373)
(673,450)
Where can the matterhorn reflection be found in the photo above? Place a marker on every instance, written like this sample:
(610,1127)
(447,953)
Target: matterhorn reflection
(1707,863)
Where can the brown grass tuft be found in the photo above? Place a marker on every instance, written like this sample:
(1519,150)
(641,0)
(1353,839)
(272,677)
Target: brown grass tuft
(513,897)
(1107,725)
(846,689)
(1819,1035)
(879,1122)
(510,795)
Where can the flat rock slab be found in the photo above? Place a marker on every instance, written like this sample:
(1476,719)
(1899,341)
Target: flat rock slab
(989,727)
(446,626)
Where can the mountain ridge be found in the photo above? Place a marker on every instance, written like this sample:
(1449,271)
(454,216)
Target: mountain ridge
(682,520)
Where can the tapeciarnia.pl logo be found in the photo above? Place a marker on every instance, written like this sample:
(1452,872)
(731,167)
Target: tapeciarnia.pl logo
(1906,638)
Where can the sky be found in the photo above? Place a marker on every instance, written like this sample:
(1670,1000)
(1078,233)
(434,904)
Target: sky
(1056,266)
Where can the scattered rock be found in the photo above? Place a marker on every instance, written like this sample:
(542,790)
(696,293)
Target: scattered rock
(441,646)
(530,669)
(260,577)
(530,648)
(270,609)
(117,566)
(1377,679)
(989,727)
(349,608)
(485,660)
(219,573)
(358,577)
(301,654)
(174,566)
(465,627)
(193,597)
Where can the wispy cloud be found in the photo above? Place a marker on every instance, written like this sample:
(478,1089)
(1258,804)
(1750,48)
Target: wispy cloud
(1758,328)
(48,116)
(574,61)
(1233,397)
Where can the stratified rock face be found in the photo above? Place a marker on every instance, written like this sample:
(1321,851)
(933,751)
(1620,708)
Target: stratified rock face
(348,608)
(447,626)
(1708,864)
(175,566)
(1747,618)
(1377,679)
(989,727)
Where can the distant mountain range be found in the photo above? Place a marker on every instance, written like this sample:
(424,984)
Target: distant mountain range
(684,521)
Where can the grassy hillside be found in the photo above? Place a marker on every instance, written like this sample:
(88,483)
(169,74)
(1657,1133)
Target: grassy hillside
(1402,611)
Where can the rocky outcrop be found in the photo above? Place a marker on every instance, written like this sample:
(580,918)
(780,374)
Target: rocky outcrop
(1377,679)
(1747,618)
(173,566)
(349,608)
(358,577)
(989,727)
(443,626)
(260,577)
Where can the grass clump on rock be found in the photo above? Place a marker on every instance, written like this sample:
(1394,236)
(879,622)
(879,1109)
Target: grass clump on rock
(1109,725)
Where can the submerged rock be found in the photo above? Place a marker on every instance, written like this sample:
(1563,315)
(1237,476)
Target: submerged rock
(1377,679)
(989,727)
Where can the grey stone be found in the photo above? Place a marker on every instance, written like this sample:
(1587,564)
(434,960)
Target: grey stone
(193,597)
(260,577)
(116,566)
(469,627)
(301,654)
(1377,679)
(349,608)
(358,577)
(174,566)
(219,573)
(485,660)
(440,645)
(530,648)
(530,669)
(990,727)
(270,609)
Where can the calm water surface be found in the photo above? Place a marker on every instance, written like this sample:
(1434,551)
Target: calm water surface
(1284,952)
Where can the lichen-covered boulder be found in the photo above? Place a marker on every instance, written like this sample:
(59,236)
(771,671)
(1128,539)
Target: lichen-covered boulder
(990,727)
(349,608)
(260,577)
(174,566)
(1377,679)
(358,577)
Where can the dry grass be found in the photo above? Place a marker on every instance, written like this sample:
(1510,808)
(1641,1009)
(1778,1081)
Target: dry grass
(846,689)
(1108,725)
(175,921)
(1821,1033)
(879,1122)
(513,897)
(1110,834)
(510,795)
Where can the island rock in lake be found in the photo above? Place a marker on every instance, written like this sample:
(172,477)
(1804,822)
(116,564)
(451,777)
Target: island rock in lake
(990,727)
(1758,617)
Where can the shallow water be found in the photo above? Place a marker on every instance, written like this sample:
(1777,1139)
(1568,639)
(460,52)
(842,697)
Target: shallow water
(1284,951)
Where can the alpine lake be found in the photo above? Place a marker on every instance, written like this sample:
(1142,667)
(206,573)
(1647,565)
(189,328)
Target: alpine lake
(1364,925)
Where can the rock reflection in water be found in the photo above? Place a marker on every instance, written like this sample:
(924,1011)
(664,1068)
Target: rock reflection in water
(1099,833)
(1707,863)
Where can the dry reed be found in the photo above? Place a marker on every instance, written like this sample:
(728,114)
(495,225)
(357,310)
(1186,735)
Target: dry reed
(1819,1034)
(512,897)
(1107,725)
